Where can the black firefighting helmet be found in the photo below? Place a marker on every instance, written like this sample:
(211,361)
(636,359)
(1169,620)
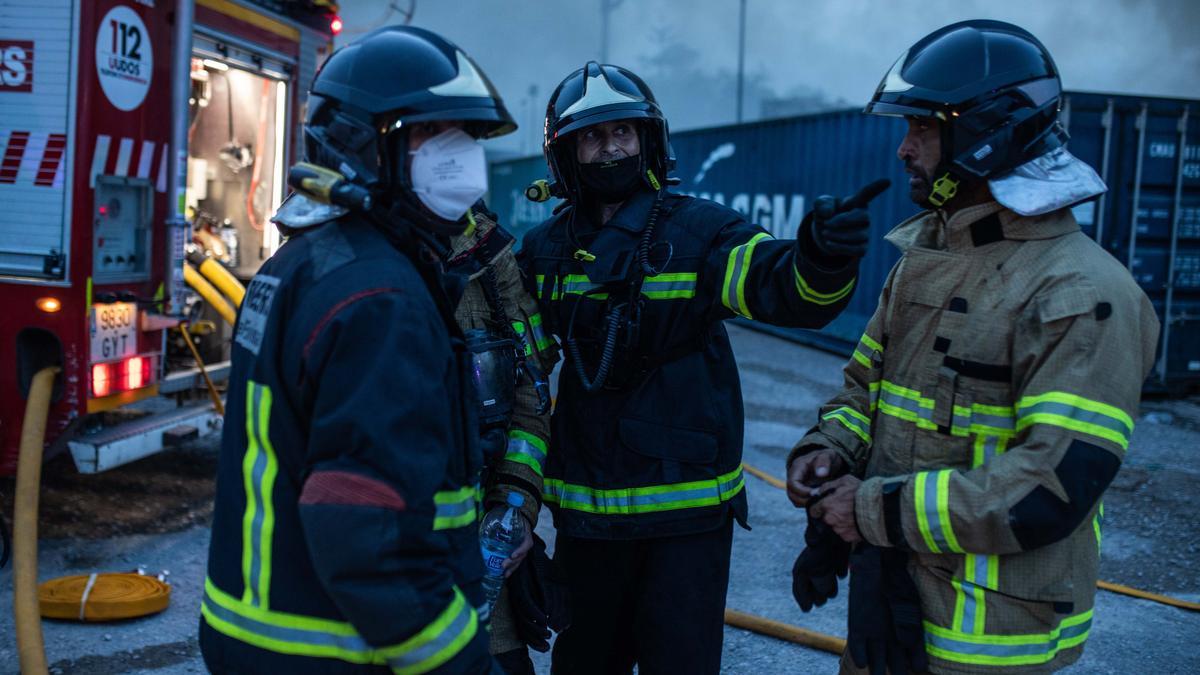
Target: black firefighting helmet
(993,86)
(368,93)
(602,93)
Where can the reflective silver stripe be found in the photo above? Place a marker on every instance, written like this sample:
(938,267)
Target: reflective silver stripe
(849,418)
(679,288)
(299,636)
(960,421)
(429,651)
(253,401)
(646,499)
(731,291)
(995,421)
(972,589)
(578,285)
(894,399)
(259,471)
(991,446)
(985,651)
(1078,414)
(518,449)
(455,508)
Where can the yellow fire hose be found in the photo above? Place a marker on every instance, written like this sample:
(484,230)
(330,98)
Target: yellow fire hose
(784,631)
(31,651)
(210,294)
(1106,585)
(223,280)
(212,390)
(1146,595)
(103,597)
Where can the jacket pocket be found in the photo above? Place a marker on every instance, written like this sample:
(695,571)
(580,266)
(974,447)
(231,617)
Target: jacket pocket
(691,446)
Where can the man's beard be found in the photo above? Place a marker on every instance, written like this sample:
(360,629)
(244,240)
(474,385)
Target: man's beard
(920,188)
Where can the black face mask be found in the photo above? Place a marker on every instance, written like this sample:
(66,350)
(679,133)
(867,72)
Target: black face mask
(611,181)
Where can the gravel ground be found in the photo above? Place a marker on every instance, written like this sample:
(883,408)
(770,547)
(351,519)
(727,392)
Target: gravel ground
(1150,540)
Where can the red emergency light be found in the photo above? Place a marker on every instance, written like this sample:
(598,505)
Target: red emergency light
(335,24)
(116,377)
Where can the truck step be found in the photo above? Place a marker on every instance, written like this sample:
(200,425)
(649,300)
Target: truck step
(113,446)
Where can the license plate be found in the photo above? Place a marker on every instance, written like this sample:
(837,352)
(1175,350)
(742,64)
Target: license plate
(114,331)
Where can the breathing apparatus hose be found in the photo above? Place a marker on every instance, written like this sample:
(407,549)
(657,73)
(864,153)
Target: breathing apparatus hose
(643,249)
(31,650)
(613,320)
(209,293)
(609,351)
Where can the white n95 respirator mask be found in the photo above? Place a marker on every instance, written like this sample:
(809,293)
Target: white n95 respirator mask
(449,173)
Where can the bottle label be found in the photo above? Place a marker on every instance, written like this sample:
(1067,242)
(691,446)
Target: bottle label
(494,563)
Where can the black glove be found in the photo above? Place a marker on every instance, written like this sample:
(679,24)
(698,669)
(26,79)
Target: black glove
(825,558)
(886,633)
(904,604)
(839,228)
(870,622)
(537,592)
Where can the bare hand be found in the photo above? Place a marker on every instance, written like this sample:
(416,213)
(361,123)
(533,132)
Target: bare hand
(806,472)
(514,560)
(836,508)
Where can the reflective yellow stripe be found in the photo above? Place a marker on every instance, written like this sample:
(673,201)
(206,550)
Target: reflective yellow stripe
(438,642)
(733,291)
(853,420)
(943,507)
(932,507)
(260,467)
(910,406)
(809,294)
(296,634)
(919,497)
(455,508)
(650,499)
(1076,413)
(871,343)
(1007,650)
(526,448)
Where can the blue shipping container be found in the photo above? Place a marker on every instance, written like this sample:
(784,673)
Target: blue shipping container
(772,170)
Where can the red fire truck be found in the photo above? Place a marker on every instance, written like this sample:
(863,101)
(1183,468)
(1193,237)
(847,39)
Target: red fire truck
(126,126)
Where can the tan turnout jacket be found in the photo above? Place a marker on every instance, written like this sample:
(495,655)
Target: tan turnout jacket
(529,432)
(990,402)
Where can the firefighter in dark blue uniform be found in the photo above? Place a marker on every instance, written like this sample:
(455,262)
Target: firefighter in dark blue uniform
(644,467)
(344,536)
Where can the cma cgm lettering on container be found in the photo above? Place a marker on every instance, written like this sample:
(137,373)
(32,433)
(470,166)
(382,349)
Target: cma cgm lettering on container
(771,171)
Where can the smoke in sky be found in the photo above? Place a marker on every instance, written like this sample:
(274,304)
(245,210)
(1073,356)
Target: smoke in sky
(801,55)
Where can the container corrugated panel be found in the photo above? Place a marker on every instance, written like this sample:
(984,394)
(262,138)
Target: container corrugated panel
(772,170)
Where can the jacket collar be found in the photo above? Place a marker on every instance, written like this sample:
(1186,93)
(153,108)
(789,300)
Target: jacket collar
(978,225)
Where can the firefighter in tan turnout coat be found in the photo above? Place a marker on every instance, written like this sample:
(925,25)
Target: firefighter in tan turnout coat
(991,399)
(496,305)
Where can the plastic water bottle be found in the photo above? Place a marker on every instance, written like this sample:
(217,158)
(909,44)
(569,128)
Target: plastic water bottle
(500,533)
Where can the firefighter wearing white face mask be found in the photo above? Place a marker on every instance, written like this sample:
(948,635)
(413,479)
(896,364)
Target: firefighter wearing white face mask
(344,532)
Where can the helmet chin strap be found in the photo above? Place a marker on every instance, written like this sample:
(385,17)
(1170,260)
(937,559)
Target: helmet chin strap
(943,190)
(945,186)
